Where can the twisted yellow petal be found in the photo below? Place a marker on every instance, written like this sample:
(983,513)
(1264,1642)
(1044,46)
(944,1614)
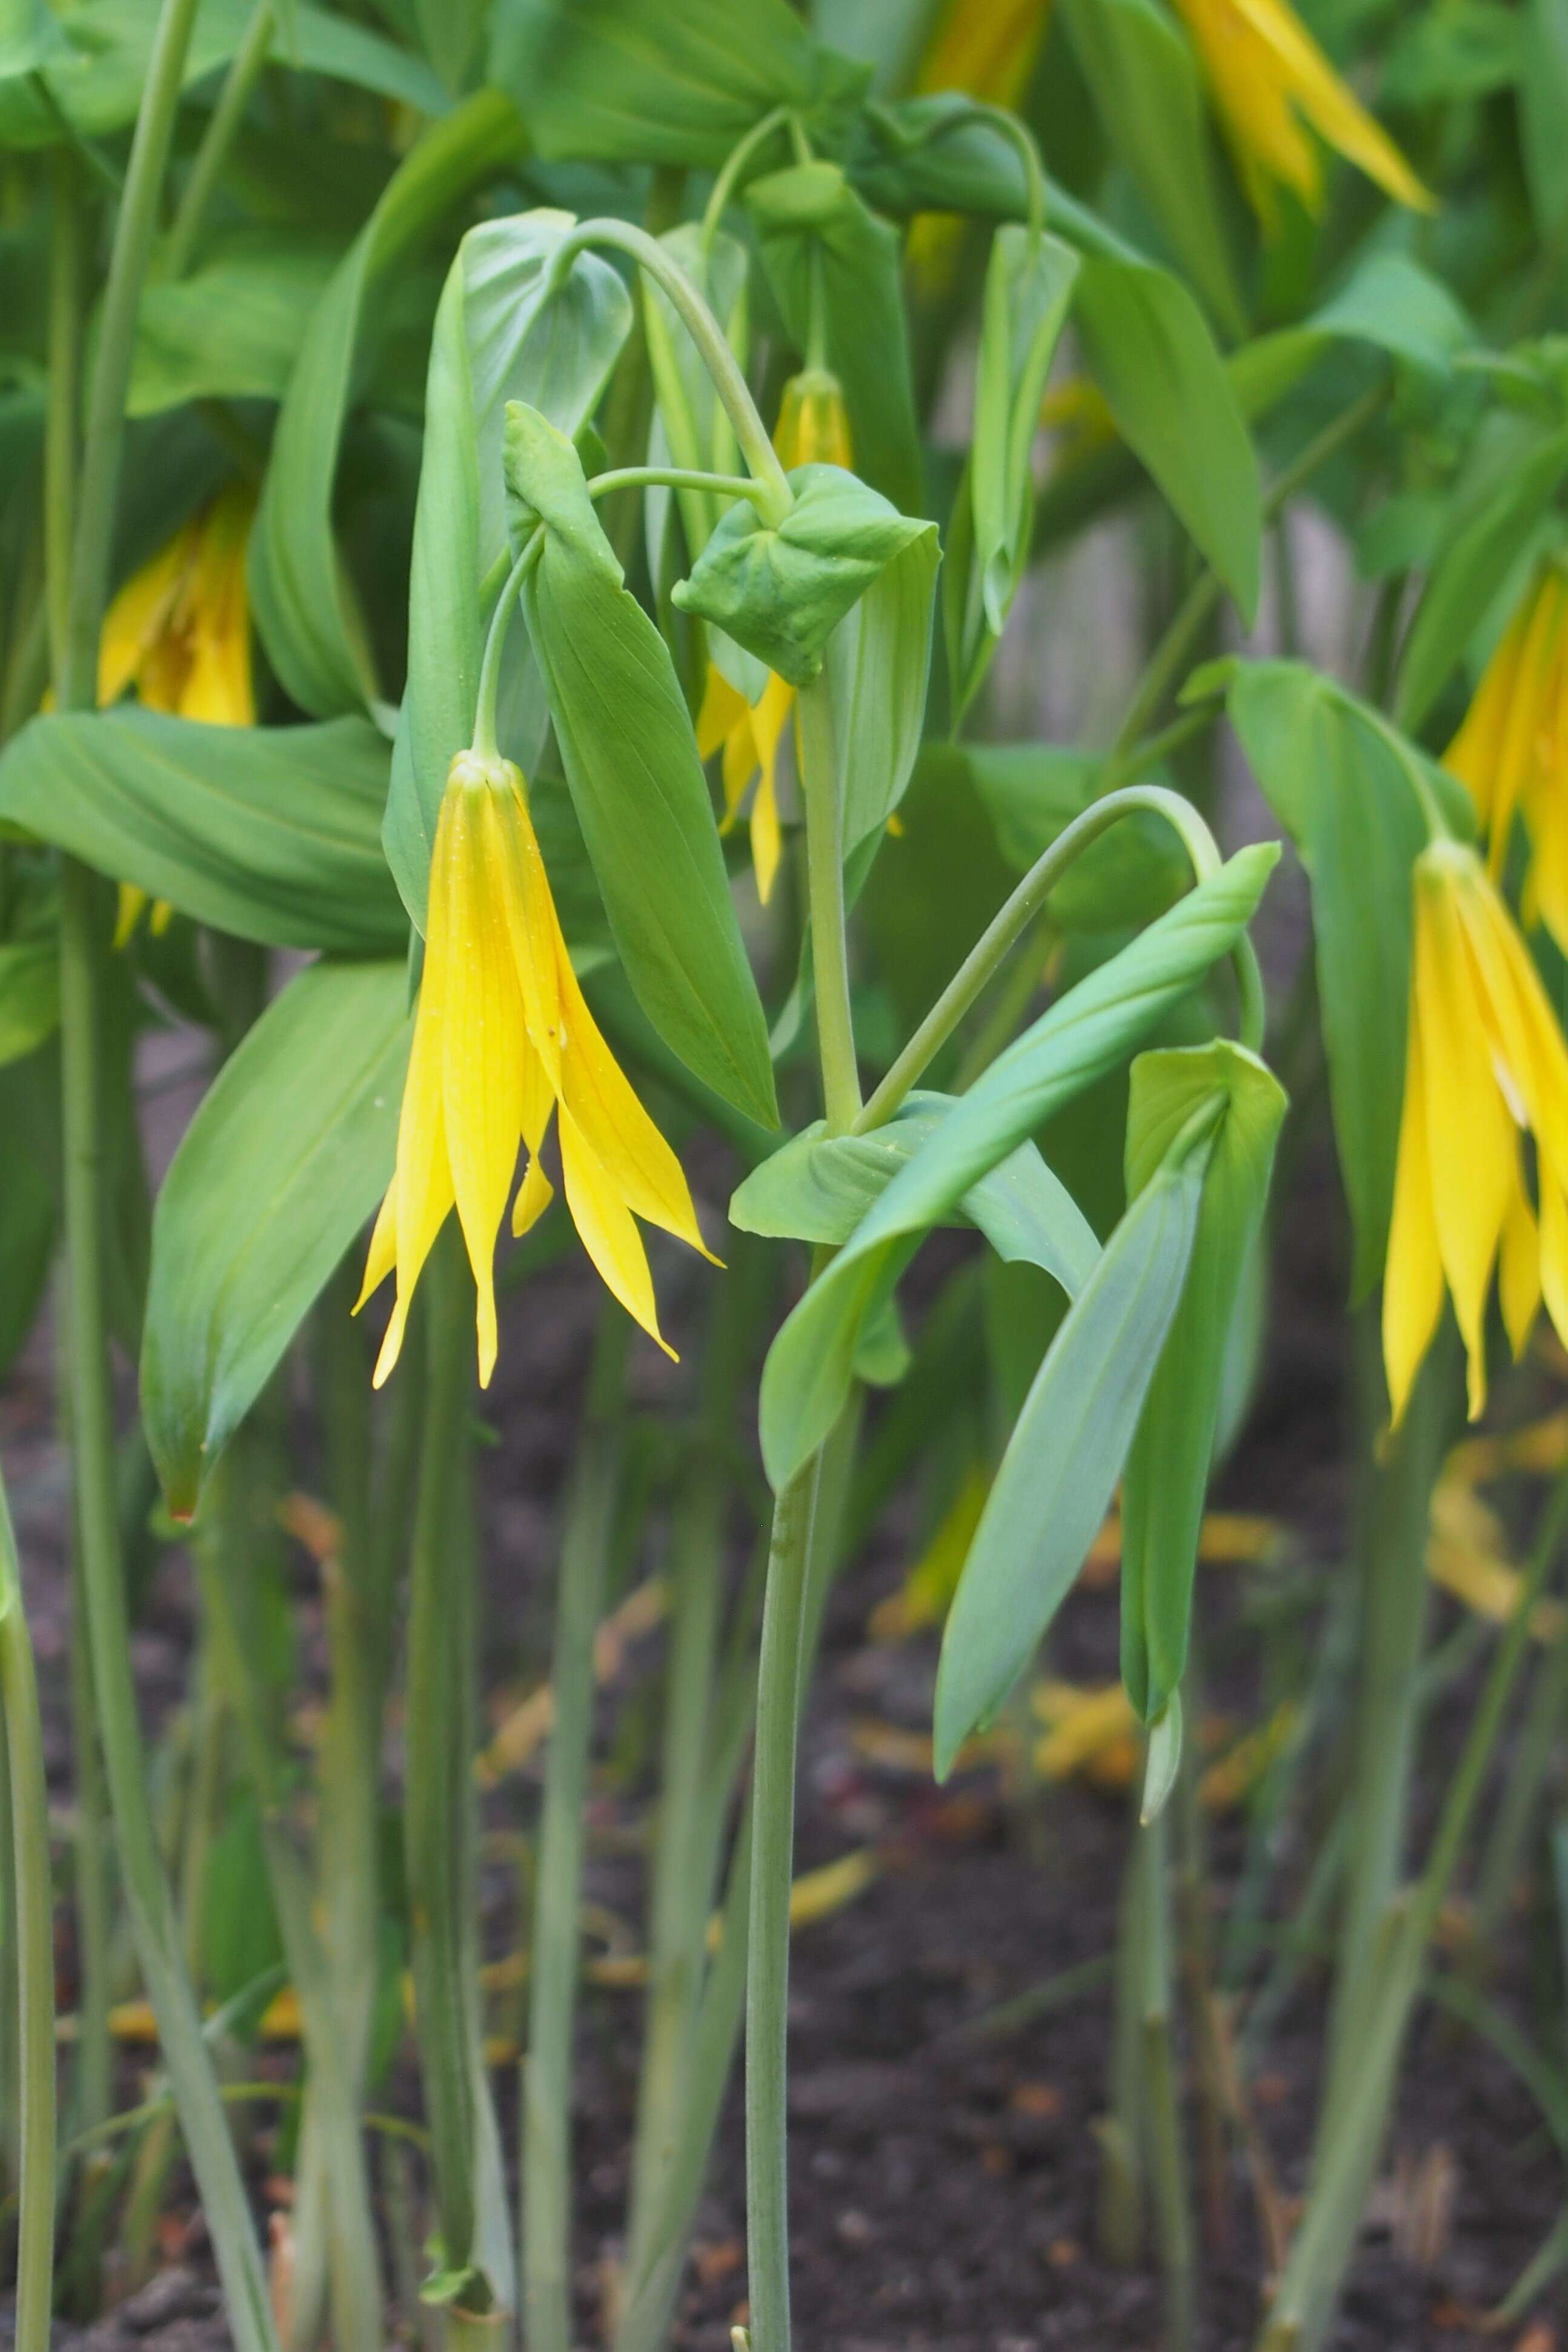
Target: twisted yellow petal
(1269,78)
(502,1038)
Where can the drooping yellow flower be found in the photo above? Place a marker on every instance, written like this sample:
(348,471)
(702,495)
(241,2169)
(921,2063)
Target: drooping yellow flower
(988,48)
(179,634)
(1486,1065)
(502,1038)
(1512,751)
(179,630)
(812,430)
(1271,81)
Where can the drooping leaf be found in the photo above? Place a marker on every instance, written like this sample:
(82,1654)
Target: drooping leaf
(819,1187)
(1140,66)
(499,337)
(1470,569)
(830,262)
(878,664)
(1028,287)
(1343,793)
(94,76)
(272,833)
(1087,1033)
(600,77)
(283,1162)
(1065,1455)
(30,35)
(302,605)
(1168,1468)
(631,763)
(781,590)
(229,328)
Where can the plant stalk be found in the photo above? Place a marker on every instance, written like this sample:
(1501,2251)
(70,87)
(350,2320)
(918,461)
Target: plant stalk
(587,1532)
(244,72)
(825,874)
(29,1853)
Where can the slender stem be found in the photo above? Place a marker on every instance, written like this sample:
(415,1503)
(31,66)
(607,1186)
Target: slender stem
(34,1952)
(677,478)
(489,692)
(60,420)
(438,1825)
(1167,2157)
(706,333)
(1164,664)
(734,163)
(218,137)
(587,1531)
(825,874)
(984,959)
(767,1992)
(133,234)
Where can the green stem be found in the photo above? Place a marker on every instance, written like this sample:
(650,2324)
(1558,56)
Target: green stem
(734,163)
(767,1992)
(1345,2164)
(34,1952)
(1166,662)
(1521,1798)
(488,694)
(706,333)
(218,137)
(985,958)
(587,1531)
(1167,2159)
(825,874)
(438,1827)
(60,418)
(677,478)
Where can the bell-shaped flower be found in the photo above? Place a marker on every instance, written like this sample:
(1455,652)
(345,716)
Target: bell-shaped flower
(1485,1070)
(504,1040)
(1512,753)
(1272,86)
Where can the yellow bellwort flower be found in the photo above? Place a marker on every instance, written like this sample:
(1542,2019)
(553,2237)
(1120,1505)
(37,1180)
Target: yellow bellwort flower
(1270,82)
(1512,753)
(812,430)
(1486,1064)
(502,1039)
(989,48)
(178,632)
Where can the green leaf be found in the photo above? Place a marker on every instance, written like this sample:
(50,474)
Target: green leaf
(1028,285)
(1033,791)
(497,337)
(1141,70)
(1168,1469)
(1342,792)
(230,330)
(830,261)
(30,35)
(1165,384)
(1465,50)
(1387,301)
(30,997)
(806,1376)
(287,1156)
(637,786)
(1544,109)
(96,73)
(302,604)
(819,1187)
(1471,568)
(272,833)
(781,591)
(879,664)
(1065,1455)
(601,79)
